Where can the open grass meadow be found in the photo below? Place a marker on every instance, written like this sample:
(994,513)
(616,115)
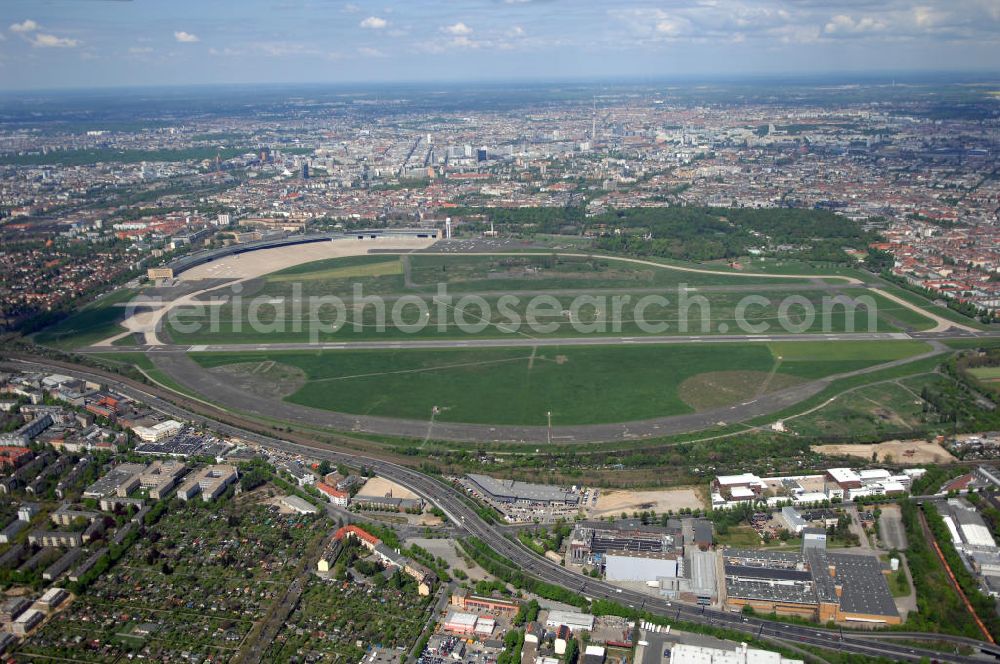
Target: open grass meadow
(92,323)
(710,304)
(532,271)
(281,322)
(815,359)
(870,413)
(578,385)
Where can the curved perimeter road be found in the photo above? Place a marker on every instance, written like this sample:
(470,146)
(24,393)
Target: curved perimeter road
(190,374)
(461,513)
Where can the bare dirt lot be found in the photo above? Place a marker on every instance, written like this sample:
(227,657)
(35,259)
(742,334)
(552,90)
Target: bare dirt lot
(901,451)
(443,548)
(615,502)
(379,486)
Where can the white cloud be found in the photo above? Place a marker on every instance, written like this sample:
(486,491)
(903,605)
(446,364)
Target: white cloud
(671,27)
(26,25)
(516,31)
(369,52)
(374,23)
(653,23)
(185,37)
(42,40)
(351,8)
(139,50)
(227,52)
(457,29)
(842,23)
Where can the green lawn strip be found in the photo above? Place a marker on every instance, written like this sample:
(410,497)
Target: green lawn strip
(90,324)
(777,269)
(839,386)
(555,270)
(798,358)
(145,365)
(127,340)
(138,359)
(968,344)
(561,316)
(924,303)
(893,310)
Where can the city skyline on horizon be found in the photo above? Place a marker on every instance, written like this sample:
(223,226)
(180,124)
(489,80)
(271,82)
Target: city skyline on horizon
(100,43)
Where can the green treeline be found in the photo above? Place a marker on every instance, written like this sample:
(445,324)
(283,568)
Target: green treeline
(690,233)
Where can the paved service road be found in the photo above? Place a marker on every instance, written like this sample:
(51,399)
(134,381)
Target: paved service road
(463,514)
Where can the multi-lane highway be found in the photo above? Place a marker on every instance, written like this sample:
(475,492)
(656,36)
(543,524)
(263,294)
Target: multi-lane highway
(460,512)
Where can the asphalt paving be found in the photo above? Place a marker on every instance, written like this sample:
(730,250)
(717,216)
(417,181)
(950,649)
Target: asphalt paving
(523,341)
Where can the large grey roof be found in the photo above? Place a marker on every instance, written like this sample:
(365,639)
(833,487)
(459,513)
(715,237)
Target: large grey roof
(514,490)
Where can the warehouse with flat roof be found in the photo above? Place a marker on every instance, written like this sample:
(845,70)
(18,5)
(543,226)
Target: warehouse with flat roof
(814,583)
(511,491)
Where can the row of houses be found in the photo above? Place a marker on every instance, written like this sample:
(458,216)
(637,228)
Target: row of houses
(389,557)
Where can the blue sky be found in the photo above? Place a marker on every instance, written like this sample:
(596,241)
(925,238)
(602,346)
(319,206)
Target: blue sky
(84,43)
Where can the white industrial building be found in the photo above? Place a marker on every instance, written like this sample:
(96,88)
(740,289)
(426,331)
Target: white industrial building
(967,528)
(460,622)
(794,520)
(684,654)
(577,622)
(730,491)
(641,568)
(159,431)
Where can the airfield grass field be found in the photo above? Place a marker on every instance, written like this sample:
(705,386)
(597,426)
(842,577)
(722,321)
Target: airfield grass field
(577,385)
(988,377)
(696,303)
(92,323)
(519,386)
(869,413)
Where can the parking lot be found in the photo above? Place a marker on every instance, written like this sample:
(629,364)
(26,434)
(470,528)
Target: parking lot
(891,528)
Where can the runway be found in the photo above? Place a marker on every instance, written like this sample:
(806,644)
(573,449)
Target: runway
(512,342)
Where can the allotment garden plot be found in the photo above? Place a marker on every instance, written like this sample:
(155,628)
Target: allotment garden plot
(195,585)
